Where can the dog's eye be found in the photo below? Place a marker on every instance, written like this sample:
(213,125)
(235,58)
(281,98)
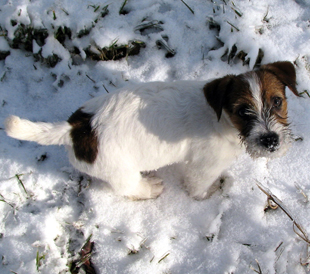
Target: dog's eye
(277,102)
(243,111)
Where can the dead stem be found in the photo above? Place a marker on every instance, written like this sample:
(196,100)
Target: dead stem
(259,271)
(300,190)
(164,257)
(301,233)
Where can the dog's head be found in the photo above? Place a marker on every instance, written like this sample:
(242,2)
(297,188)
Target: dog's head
(256,105)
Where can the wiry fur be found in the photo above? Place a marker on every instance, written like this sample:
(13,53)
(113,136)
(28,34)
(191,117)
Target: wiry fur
(263,123)
(145,127)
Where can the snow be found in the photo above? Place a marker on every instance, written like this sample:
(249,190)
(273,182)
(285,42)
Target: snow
(60,208)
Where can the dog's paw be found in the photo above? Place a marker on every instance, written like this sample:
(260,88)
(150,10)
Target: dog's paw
(156,190)
(12,124)
(197,192)
(220,186)
(149,188)
(200,196)
(156,186)
(153,180)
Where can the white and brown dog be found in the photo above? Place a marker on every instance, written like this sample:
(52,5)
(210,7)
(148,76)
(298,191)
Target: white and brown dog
(201,125)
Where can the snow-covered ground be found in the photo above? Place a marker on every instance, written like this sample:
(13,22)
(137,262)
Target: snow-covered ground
(48,209)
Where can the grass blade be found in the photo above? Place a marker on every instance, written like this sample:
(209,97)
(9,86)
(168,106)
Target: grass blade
(121,10)
(2,199)
(21,183)
(188,7)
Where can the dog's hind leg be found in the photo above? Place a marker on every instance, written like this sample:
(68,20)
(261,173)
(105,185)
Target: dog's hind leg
(132,185)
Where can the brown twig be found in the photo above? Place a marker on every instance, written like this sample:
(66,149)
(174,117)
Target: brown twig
(300,190)
(301,233)
(164,257)
(259,271)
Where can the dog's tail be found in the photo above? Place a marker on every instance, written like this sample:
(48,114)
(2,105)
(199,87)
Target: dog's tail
(42,133)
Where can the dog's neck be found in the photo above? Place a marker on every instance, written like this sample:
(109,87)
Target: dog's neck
(228,131)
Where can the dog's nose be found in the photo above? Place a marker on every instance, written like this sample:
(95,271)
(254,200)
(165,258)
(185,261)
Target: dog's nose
(270,141)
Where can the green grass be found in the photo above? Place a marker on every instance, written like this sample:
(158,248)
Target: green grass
(122,9)
(39,259)
(188,7)
(2,199)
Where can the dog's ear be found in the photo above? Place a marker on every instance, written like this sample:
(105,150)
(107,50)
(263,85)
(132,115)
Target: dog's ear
(215,92)
(285,72)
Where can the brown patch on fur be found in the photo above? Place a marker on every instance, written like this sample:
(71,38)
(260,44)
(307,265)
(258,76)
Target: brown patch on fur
(273,89)
(285,72)
(84,138)
(239,98)
(231,93)
(215,93)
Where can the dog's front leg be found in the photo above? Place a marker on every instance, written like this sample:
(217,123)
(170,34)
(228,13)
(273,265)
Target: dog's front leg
(198,179)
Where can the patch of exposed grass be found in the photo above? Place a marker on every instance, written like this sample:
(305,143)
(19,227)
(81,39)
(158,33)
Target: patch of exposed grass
(234,54)
(84,259)
(24,36)
(115,51)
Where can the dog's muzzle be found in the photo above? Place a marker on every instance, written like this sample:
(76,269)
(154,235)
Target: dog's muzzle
(270,141)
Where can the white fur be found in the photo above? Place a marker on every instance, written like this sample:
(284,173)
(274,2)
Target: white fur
(42,133)
(154,125)
(255,88)
(146,127)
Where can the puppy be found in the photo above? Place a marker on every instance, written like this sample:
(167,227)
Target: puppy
(201,125)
